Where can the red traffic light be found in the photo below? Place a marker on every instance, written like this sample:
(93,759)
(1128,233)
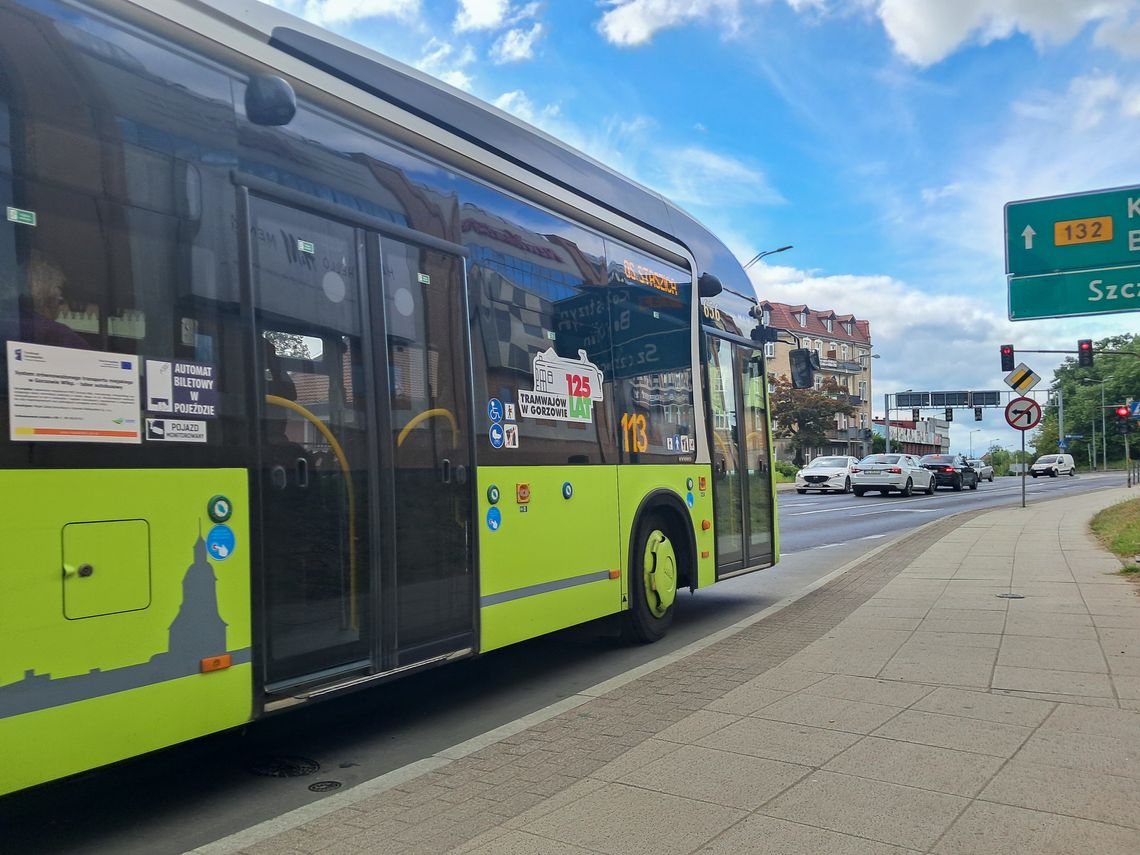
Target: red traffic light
(1084,344)
(1006,349)
(1122,412)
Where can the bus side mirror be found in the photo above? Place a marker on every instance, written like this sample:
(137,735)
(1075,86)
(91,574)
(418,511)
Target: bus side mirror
(708,285)
(270,101)
(803,363)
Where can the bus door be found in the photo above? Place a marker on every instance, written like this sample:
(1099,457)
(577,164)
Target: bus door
(742,476)
(318,468)
(365,449)
(430,610)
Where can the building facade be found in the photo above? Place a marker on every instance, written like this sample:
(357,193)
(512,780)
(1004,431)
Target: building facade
(925,436)
(843,344)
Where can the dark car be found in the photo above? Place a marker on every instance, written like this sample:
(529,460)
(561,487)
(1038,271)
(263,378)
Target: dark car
(951,470)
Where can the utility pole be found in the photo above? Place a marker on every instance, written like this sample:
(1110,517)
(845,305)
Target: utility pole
(887,416)
(1060,418)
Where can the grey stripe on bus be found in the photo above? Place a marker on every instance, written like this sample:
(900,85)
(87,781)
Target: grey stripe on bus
(543,588)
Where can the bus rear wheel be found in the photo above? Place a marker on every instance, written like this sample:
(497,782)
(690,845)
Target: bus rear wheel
(652,579)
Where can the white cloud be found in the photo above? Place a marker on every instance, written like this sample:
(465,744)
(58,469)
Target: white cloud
(326,12)
(923,31)
(699,176)
(516,44)
(1120,34)
(518,104)
(481,14)
(928,31)
(441,59)
(927,342)
(634,22)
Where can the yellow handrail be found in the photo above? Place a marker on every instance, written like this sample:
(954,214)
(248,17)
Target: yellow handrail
(343,460)
(424,416)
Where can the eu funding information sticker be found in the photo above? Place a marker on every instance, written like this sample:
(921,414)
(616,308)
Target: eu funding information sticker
(64,394)
(564,389)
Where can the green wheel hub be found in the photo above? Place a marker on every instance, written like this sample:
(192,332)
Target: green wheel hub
(659,571)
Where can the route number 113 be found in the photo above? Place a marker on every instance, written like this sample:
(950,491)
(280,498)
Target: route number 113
(634,437)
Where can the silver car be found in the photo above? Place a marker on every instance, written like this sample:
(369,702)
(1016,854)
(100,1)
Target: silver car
(984,470)
(887,472)
(826,474)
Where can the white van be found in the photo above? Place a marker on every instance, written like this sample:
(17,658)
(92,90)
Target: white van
(1053,465)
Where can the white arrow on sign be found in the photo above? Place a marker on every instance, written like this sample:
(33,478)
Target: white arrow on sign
(1028,234)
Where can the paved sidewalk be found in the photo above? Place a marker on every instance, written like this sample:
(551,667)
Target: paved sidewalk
(901,707)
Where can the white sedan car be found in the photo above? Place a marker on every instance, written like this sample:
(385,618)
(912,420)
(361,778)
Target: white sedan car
(887,472)
(825,474)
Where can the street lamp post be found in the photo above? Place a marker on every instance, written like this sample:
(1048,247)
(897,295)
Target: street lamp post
(760,255)
(1103,436)
(974,431)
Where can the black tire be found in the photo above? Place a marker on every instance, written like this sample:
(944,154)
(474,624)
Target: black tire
(974,483)
(991,478)
(958,486)
(907,490)
(1073,472)
(651,613)
(858,491)
(1052,473)
(930,488)
(801,492)
(1032,474)
(847,486)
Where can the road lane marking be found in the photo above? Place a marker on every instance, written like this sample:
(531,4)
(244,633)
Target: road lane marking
(872,537)
(899,511)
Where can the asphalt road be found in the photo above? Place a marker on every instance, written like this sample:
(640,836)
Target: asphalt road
(175,800)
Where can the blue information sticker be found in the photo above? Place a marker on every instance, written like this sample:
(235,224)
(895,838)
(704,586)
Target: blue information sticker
(497,436)
(689,498)
(495,410)
(220,542)
(567,490)
(494,519)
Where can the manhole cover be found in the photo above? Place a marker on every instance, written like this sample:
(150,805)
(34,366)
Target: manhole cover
(285,767)
(324,786)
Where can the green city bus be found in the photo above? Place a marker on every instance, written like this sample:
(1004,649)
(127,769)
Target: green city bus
(318,372)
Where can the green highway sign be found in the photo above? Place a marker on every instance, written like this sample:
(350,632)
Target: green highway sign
(1075,232)
(1084,292)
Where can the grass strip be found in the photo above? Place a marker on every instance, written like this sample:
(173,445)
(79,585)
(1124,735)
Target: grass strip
(1118,528)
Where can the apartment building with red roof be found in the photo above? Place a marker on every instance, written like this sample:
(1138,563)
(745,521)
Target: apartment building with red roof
(843,343)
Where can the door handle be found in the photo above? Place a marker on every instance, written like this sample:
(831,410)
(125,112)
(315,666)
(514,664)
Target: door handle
(302,473)
(445,471)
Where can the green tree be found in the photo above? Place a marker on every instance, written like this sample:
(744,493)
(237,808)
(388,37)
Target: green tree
(805,415)
(1081,390)
(878,444)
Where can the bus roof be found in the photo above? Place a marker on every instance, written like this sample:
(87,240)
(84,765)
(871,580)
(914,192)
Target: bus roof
(486,126)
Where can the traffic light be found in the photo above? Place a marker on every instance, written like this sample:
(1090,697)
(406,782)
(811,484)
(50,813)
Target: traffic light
(915,415)
(1085,353)
(949,414)
(1007,357)
(977,414)
(1123,420)
(803,364)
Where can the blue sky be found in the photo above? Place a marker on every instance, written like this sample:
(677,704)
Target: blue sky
(880,137)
